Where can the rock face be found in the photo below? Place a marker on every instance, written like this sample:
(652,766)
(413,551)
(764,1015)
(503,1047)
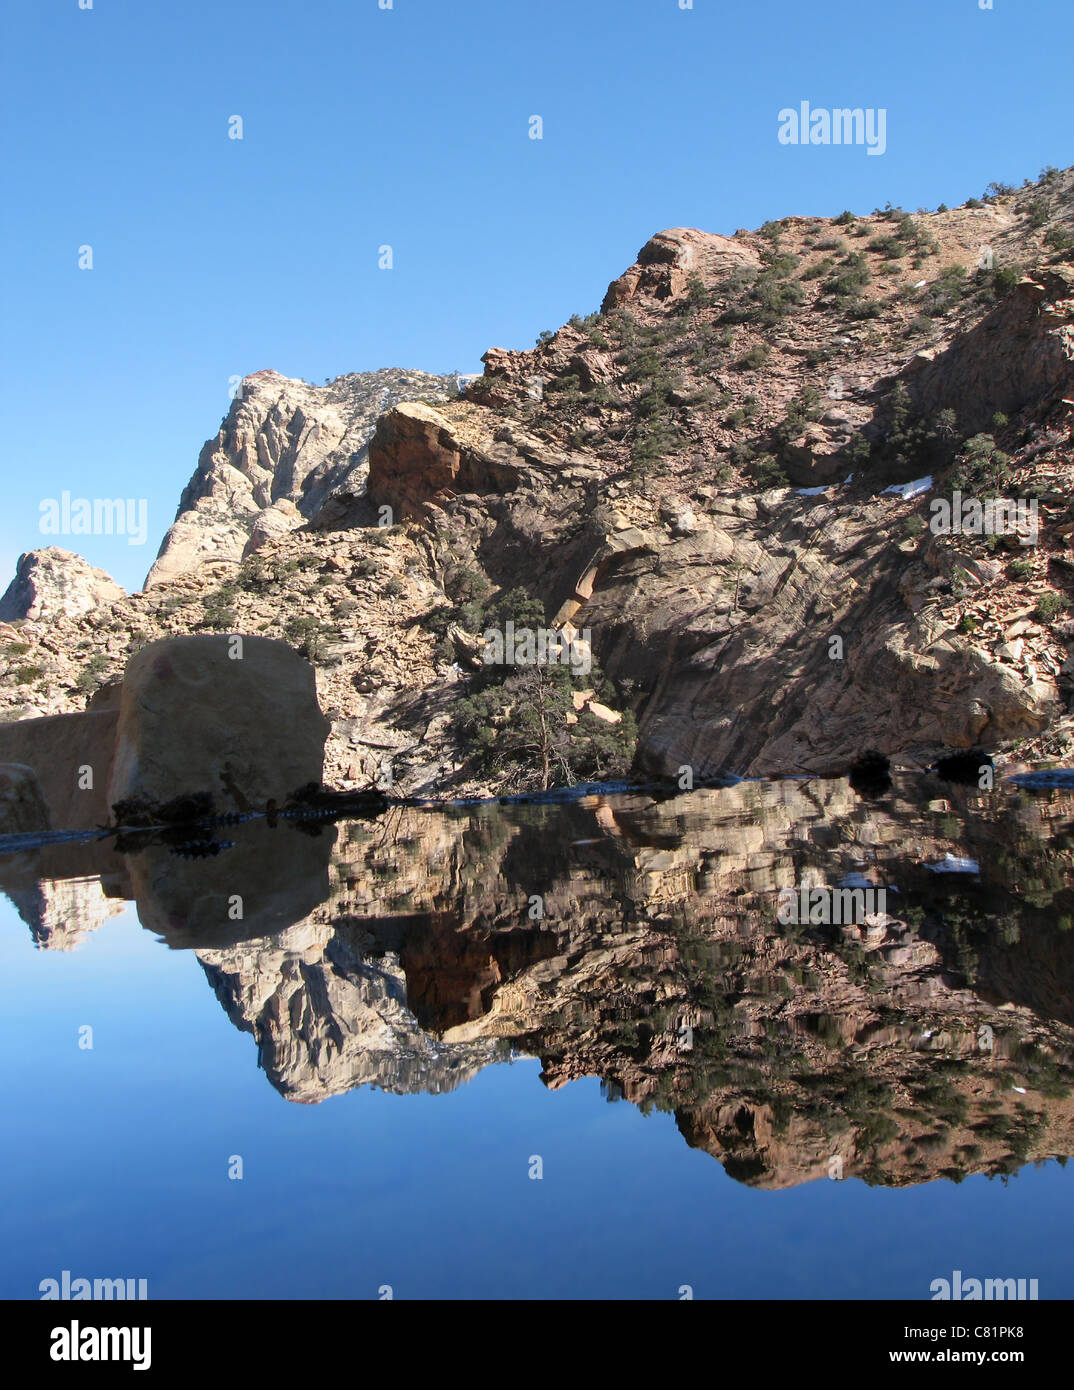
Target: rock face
(62,913)
(667,262)
(280,874)
(71,756)
(1019,357)
(196,717)
(22,806)
(282,442)
(64,891)
(53,583)
(421,966)
(699,478)
(273,523)
(417,454)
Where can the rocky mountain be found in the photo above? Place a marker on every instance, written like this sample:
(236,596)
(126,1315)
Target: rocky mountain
(726,477)
(283,449)
(54,583)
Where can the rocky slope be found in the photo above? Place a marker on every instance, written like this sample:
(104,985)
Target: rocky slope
(284,448)
(54,583)
(697,475)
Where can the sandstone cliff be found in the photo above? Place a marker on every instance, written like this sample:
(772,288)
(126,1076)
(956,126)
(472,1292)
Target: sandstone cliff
(55,583)
(701,475)
(284,448)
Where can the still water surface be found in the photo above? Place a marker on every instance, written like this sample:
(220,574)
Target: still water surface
(549,1051)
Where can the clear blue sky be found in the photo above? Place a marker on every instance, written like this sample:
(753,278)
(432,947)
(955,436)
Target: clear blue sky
(409,126)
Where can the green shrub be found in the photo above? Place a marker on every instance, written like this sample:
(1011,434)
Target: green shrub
(982,466)
(656,439)
(859,449)
(741,455)
(756,357)
(216,607)
(696,297)
(1049,606)
(304,633)
(1004,278)
(463,583)
(848,282)
(89,678)
(767,472)
(803,410)
(916,444)
(742,415)
(515,719)
(780,263)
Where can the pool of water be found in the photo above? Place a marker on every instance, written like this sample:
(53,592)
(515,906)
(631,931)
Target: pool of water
(580,1050)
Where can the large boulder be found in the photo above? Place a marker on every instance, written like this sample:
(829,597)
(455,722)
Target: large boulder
(278,520)
(418,454)
(669,260)
(233,716)
(53,583)
(71,757)
(22,805)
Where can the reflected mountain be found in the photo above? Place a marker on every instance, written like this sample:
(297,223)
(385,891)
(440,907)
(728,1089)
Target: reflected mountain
(636,939)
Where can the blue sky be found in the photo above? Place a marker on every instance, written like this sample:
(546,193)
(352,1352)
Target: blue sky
(409,127)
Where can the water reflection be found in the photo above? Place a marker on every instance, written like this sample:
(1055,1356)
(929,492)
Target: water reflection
(636,939)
